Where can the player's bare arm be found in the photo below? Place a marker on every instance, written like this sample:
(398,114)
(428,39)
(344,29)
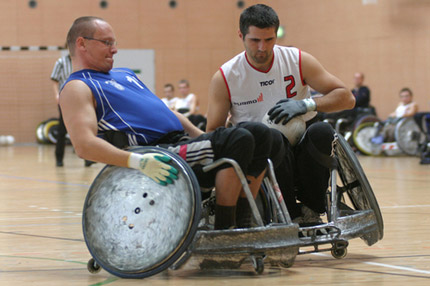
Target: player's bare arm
(411,110)
(193,105)
(79,115)
(190,128)
(219,103)
(336,97)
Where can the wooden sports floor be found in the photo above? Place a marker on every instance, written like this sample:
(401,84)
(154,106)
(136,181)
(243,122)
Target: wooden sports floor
(41,240)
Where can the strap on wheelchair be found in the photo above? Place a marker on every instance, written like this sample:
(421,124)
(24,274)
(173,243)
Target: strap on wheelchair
(171,137)
(120,139)
(116,138)
(324,159)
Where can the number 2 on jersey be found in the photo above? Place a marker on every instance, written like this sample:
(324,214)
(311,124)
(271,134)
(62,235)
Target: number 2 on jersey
(290,86)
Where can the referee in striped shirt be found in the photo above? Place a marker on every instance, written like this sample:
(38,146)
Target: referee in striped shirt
(60,73)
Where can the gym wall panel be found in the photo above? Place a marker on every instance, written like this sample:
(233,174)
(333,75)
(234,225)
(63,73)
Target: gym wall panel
(8,27)
(388,41)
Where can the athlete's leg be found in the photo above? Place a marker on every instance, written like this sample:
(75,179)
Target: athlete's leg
(265,147)
(61,140)
(313,160)
(233,143)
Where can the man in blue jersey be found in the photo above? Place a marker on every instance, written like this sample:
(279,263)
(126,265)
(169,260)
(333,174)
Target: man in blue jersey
(98,99)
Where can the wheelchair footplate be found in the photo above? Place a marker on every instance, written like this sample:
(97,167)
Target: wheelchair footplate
(313,237)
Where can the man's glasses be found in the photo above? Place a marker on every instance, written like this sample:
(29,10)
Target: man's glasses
(107,43)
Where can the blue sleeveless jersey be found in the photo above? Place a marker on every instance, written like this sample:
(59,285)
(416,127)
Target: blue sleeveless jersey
(125,104)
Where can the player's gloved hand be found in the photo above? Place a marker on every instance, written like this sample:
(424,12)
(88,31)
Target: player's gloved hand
(155,166)
(290,108)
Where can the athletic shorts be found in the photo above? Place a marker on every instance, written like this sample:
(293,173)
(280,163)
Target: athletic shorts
(248,144)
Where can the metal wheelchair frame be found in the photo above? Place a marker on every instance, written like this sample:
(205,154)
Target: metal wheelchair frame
(352,211)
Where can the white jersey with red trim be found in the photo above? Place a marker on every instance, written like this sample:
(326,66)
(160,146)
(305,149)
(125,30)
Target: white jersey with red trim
(253,92)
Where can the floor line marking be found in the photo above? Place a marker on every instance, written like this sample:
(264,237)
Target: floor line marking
(383,265)
(405,206)
(44,181)
(42,236)
(397,267)
(37,218)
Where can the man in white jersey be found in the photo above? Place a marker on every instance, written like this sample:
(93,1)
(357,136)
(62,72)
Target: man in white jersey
(270,77)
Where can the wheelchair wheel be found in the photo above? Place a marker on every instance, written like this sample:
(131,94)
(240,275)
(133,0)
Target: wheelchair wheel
(50,130)
(408,136)
(265,206)
(355,184)
(365,119)
(362,137)
(134,227)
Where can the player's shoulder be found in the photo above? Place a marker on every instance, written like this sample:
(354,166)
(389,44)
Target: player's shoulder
(288,53)
(286,49)
(235,60)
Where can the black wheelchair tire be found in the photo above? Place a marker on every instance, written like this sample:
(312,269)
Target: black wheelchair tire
(349,162)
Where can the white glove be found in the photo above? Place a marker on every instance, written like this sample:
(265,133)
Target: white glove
(154,166)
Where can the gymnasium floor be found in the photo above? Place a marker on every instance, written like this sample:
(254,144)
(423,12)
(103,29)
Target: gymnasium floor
(41,241)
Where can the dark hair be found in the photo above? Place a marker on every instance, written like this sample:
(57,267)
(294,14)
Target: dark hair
(169,85)
(83,26)
(406,89)
(185,82)
(260,16)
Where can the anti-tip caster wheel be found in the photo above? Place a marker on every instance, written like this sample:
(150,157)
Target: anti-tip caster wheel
(285,264)
(258,264)
(93,267)
(339,253)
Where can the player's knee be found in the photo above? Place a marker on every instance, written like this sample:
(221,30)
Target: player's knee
(321,134)
(262,136)
(280,147)
(239,147)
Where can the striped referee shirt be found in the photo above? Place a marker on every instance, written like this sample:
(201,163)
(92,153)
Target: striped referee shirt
(62,70)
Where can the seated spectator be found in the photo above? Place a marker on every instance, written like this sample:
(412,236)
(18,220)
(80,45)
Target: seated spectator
(187,102)
(360,91)
(406,108)
(169,96)
(361,107)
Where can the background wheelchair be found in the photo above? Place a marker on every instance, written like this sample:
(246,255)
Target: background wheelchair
(134,228)
(407,134)
(345,122)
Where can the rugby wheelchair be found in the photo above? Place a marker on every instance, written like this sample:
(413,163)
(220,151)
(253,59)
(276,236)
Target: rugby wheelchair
(408,138)
(134,228)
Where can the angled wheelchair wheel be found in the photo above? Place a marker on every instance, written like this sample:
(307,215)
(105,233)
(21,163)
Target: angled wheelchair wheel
(362,137)
(355,184)
(408,136)
(134,227)
(50,130)
(365,119)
